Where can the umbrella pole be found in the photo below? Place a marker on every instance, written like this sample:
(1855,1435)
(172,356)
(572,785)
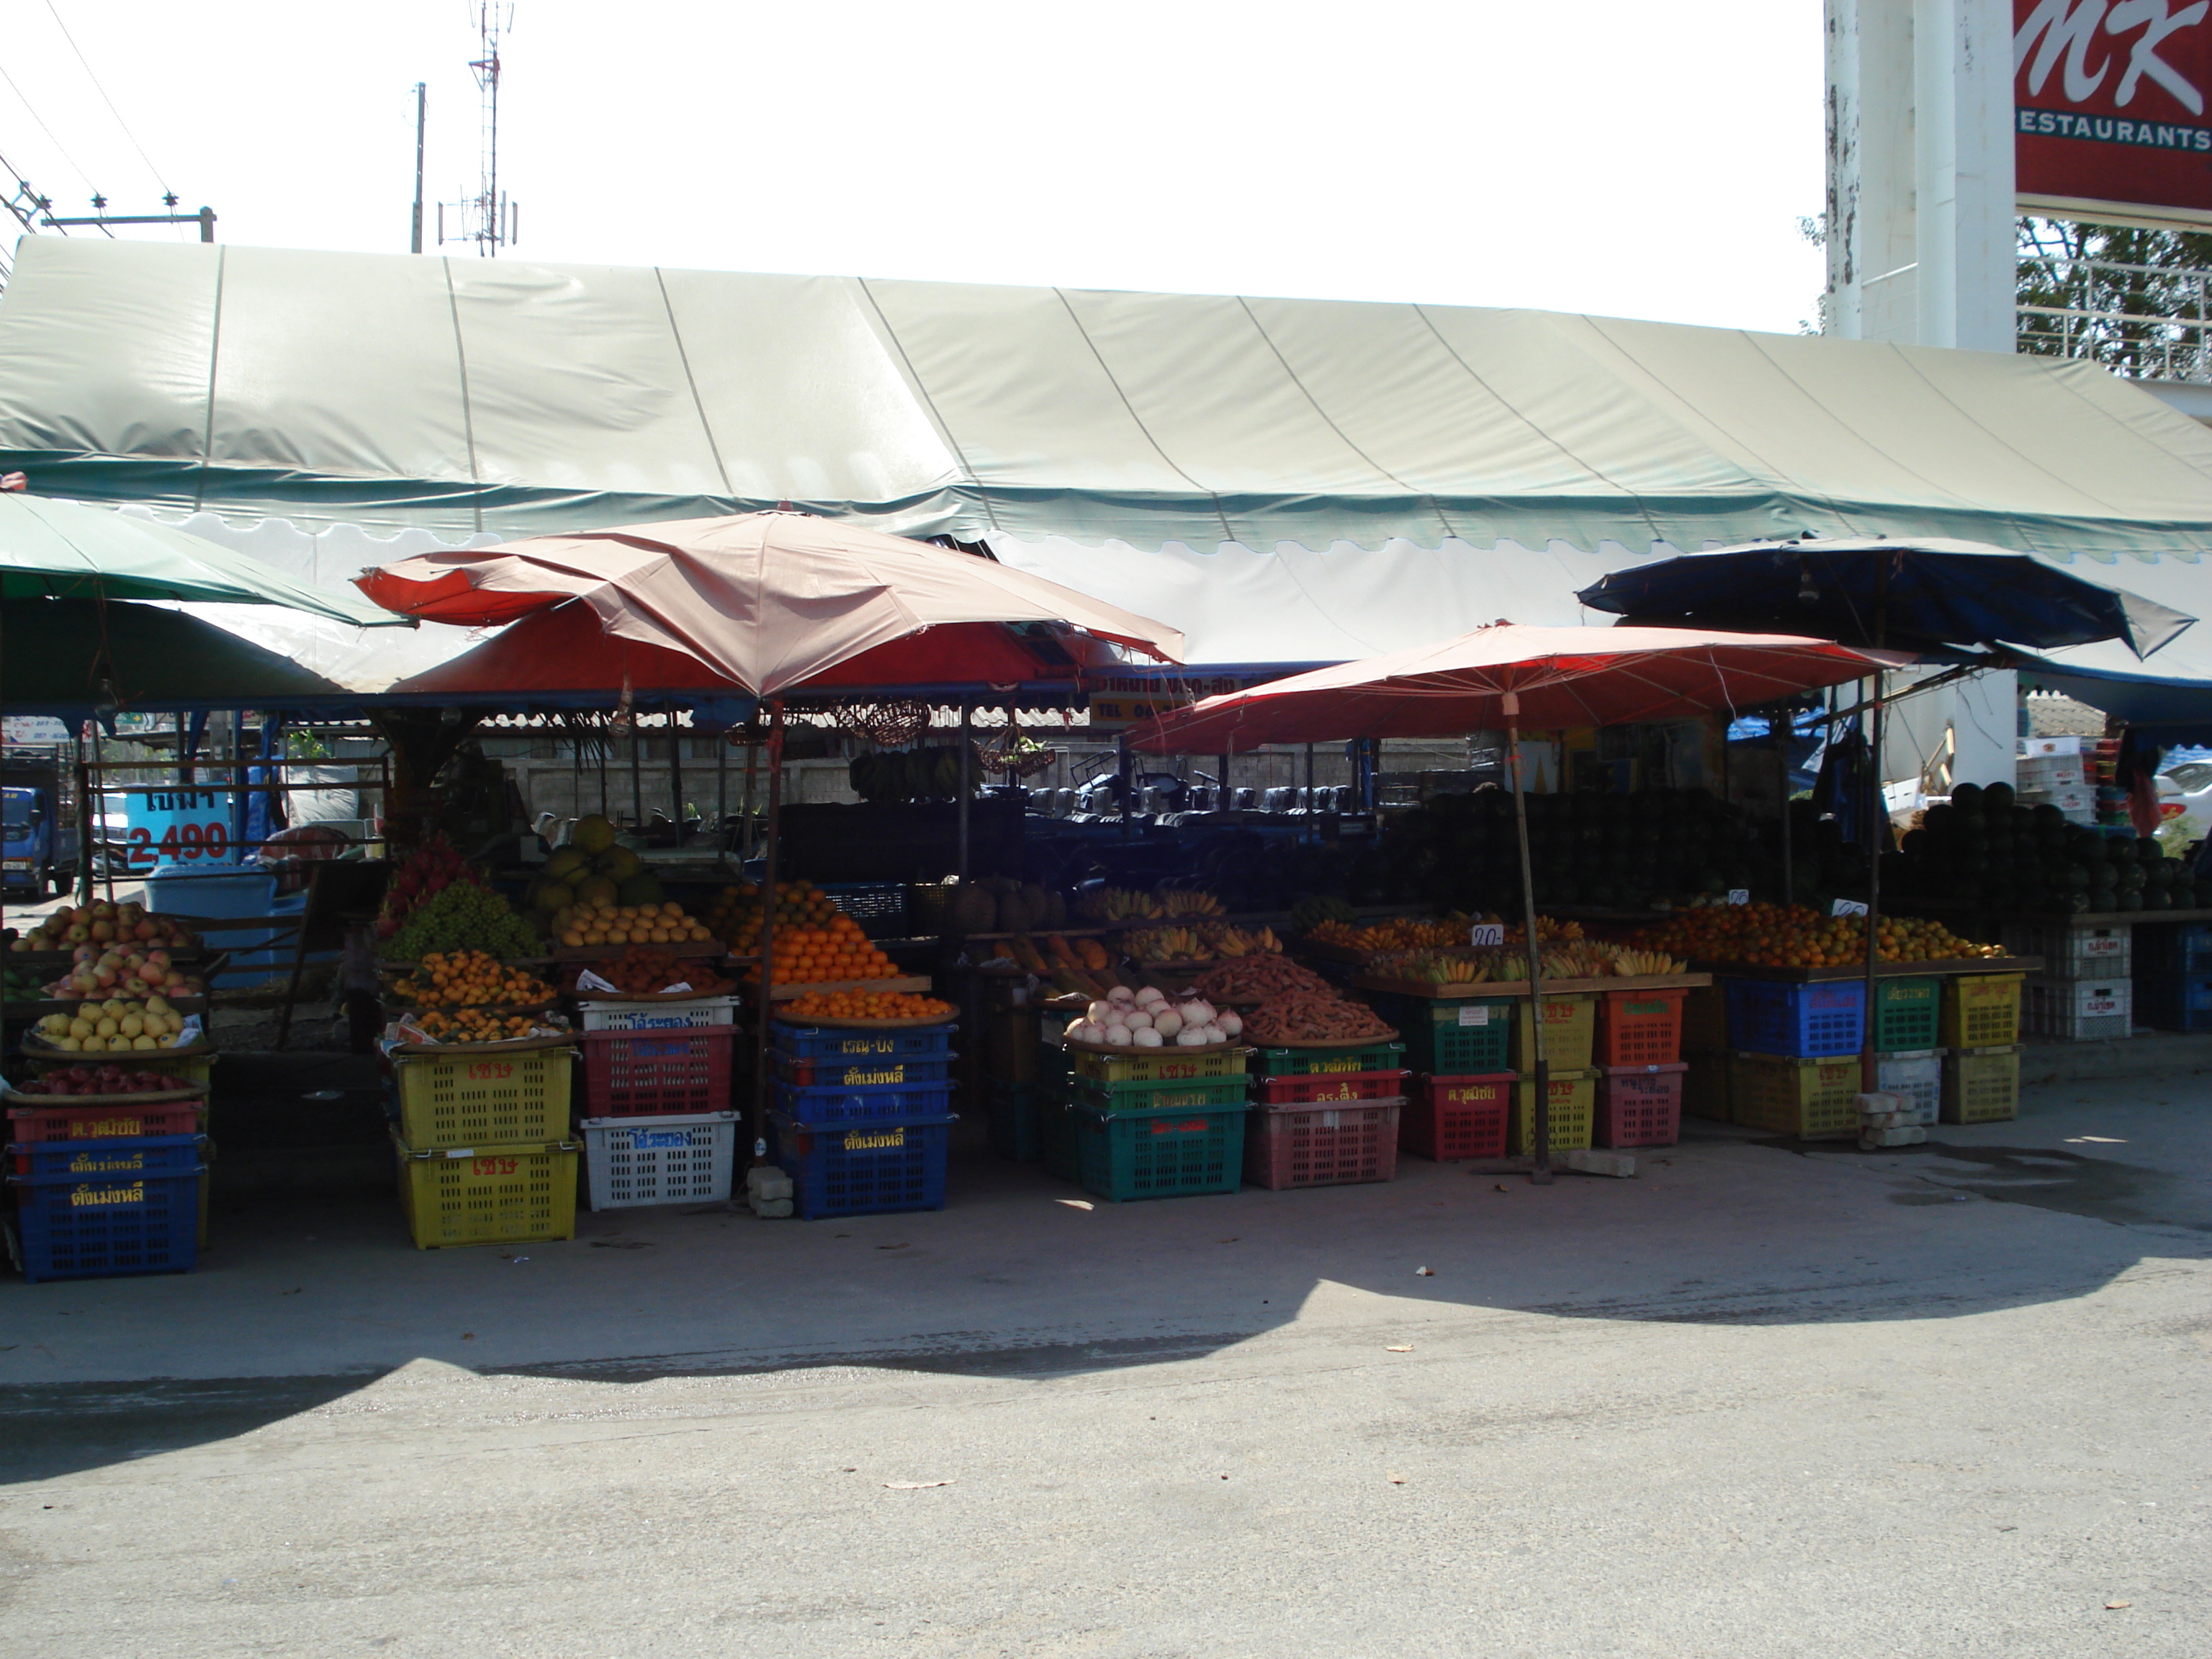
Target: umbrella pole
(1878,822)
(768,932)
(1789,874)
(1541,1110)
(721,796)
(967,784)
(752,770)
(637,777)
(676,775)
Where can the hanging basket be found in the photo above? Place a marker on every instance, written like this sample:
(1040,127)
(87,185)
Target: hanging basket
(1023,764)
(886,725)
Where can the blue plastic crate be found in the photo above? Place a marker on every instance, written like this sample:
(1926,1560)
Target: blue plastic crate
(863,1168)
(117,1229)
(109,1160)
(2178,949)
(2168,1003)
(821,1043)
(1804,1021)
(873,1072)
(891,1103)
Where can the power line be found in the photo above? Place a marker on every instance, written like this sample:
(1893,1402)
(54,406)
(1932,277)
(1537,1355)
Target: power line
(105,100)
(69,159)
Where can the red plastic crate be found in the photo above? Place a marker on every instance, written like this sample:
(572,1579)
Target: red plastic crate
(1448,1118)
(646,1074)
(1321,1146)
(1273,1090)
(1639,1028)
(89,1120)
(1639,1105)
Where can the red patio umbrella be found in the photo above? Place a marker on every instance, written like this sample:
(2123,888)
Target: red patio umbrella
(1511,676)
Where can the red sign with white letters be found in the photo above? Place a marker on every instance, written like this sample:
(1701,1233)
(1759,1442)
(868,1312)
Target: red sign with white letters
(2112,103)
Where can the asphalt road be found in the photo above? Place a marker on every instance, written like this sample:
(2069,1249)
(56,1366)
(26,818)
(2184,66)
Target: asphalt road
(1760,1401)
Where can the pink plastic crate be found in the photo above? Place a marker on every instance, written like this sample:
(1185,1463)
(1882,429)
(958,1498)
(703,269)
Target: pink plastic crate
(1327,1145)
(1640,1105)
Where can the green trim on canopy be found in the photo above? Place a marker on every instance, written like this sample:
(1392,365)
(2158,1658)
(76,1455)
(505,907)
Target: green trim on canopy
(469,394)
(67,657)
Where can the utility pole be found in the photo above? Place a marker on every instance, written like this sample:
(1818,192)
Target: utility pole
(101,217)
(487,219)
(421,115)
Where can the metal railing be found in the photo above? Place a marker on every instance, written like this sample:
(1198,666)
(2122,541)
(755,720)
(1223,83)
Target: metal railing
(2148,322)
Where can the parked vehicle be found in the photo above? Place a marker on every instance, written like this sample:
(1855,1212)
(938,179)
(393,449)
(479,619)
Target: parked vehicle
(38,850)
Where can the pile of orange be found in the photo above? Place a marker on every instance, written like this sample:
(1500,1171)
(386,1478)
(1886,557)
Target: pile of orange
(1794,936)
(864,1005)
(475,1025)
(735,914)
(825,955)
(470,979)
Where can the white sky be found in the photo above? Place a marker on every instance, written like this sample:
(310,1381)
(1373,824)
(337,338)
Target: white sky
(1620,156)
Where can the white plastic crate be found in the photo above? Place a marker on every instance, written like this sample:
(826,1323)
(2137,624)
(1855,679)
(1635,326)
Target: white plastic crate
(679,1159)
(1917,1076)
(2059,772)
(658,1016)
(2040,748)
(2081,1011)
(2103,954)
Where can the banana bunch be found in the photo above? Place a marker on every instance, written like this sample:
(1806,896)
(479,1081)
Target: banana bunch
(1227,941)
(907,774)
(1580,960)
(1165,944)
(1174,904)
(1630,964)
(1121,904)
(1310,913)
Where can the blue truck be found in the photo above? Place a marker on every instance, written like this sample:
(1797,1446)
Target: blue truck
(39,845)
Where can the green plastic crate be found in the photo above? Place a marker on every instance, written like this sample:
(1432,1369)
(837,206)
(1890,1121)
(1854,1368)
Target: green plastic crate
(1159,1152)
(1137,1097)
(1056,1136)
(1017,1126)
(1308,1062)
(1907,1013)
(1452,1037)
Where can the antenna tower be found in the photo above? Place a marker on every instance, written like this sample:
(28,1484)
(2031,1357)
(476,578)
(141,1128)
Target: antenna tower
(489,219)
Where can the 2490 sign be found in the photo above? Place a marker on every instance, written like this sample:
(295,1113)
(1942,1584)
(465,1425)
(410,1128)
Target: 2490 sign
(2109,107)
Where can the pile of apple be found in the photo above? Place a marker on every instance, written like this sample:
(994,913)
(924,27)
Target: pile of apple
(115,1026)
(102,925)
(116,971)
(105,1080)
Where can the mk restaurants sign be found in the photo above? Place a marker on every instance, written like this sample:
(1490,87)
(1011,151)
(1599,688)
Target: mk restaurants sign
(2110,104)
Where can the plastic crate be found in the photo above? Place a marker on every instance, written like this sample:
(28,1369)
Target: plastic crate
(1329,1086)
(1017,1128)
(2180,950)
(69,1229)
(109,1160)
(1573,1112)
(1448,1118)
(519,1193)
(670,1159)
(1153,1066)
(863,1168)
(2102,953)
(1781,1016)
(1330,1062)
(1980,1010)
(821,1043)
(1786,1094)
(1639,1105)
(1706,1084)
(467,1099)
(2079,1010)
(646,1074)
(1569,1034)
(1452,1035)
(1305,1145)
(1159,1151)
(85,1119)
(1907,1014)
(1132,1097)
(2173,1004)
(1705,1016)
(1640,1028)
(880,907)
(863,1073)
(892,1103)
(1981,1085)
(672,1016)
(1918,1077)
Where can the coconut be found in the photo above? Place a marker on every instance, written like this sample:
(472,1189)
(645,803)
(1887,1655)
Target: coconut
(1121,994)
(1118,1035)
(1141,1018)
(1146,1036)
(1097,1010)
(1191,1036)
(1117,1013)
(1167,1022)
(1230,1023)
(1151,994)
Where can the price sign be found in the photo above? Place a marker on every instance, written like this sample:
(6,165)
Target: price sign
(1487,934)
(1847,908)
(1476,1013)
(177,826)
(1739,895)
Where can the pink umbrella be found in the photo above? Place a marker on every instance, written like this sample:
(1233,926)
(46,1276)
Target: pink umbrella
(1509,676)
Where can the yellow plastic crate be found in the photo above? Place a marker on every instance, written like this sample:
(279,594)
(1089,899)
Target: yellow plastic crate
(1810,1099)
(1706,1084)
(469,1100)
(1981,1085)
(1981,1010)
(1569,1034)
(1573,1108)
(1155,1065)
(488,1194)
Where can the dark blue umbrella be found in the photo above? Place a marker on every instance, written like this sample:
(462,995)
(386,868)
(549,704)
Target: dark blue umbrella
(1918,596)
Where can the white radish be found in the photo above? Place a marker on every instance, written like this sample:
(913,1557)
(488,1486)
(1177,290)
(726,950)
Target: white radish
(1146,1036)
(1118,1035)
(1167,1022)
